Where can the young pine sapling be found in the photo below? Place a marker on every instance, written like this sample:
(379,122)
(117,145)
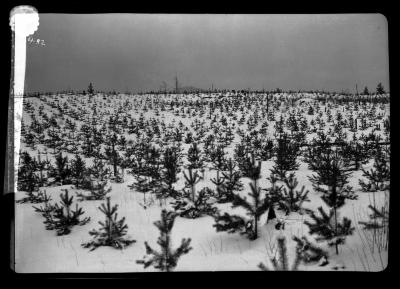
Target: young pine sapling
(167,258)
(379,176)
(112,231)
(62,217)
(331,180)
(231,183)
(190,204)
(291,200)
(255,208)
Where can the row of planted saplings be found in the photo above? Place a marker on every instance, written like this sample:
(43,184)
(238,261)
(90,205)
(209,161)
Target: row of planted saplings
(112,233)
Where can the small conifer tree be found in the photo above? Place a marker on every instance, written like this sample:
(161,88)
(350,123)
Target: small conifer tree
(48,208)
(286,154)
(111,152)
(166,259)
(112,231)
(188,138)
(194,157)
(99,170)
(142,185)
(251,169)
(61,217)
(240,155)
(331,180)
(291,200)
(170,170)
(90,89)
(191,204)
(310,110)
(42,165)
(61,172)
(86,133)
(27,179)
(275,194)
(78,170)
(266,150)
(380,89)
(353,152)
(231,183)
(379,176)
(257,207)
(217,158)
(191,179)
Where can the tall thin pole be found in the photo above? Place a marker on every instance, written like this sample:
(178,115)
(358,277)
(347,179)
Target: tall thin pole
(176,83)
(357,94)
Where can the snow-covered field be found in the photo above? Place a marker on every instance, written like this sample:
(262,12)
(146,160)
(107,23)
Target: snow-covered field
(41,250)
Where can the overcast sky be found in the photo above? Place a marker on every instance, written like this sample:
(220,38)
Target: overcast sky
(139,52)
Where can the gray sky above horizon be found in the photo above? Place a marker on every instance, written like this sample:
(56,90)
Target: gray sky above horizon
(139,51)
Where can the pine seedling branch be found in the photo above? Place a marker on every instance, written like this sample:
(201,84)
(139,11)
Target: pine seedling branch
(306,253)
(379,218)
(329,228)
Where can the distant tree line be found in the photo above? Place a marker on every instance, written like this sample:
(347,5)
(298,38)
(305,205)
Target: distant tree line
(380,90)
